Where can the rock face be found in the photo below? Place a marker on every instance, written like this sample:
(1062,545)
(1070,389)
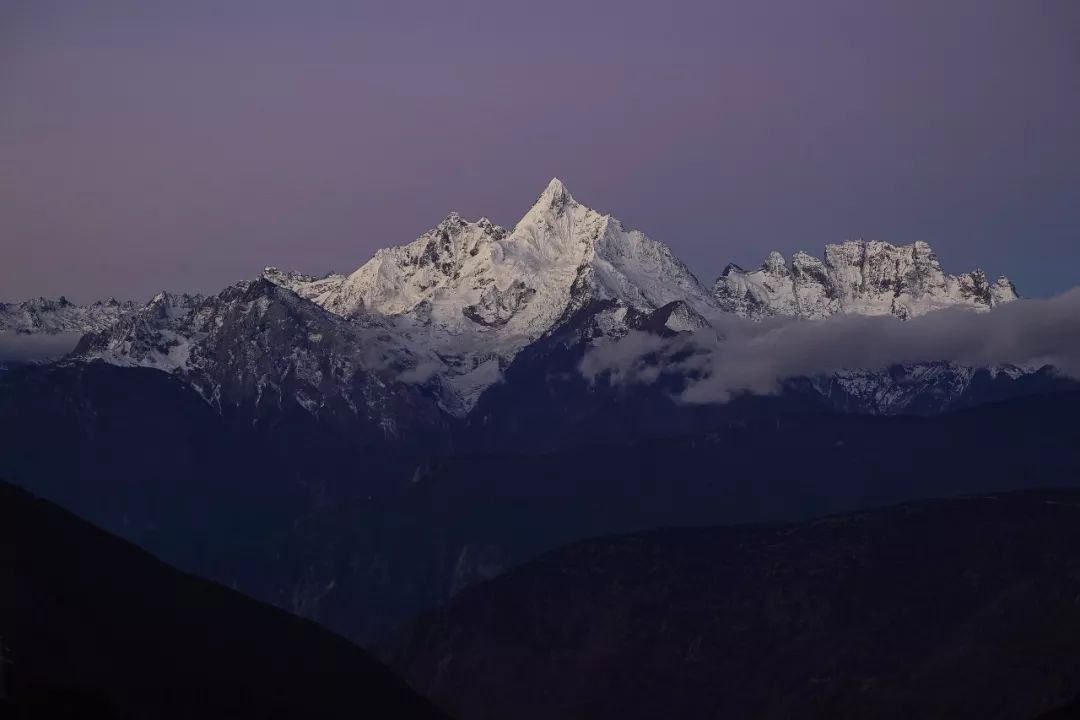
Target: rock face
(863,277)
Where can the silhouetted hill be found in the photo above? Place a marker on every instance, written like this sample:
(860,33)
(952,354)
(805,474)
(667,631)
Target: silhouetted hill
(967,607)
(94,627)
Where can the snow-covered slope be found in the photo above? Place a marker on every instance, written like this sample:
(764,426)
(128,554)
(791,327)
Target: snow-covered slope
(159,334)
(257,345)
(924,388)
(476,294)
(61,316)
(863,277)
(310,287)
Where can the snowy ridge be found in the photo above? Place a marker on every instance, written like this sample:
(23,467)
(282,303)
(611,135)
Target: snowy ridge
(260,345)
(861,277)
(156,335)
(310,287)
(41,315)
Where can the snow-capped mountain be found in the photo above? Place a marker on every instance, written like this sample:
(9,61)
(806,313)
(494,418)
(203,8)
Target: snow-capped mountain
(861,277)
(476,294)
(448,314)
(477,276)
(259,346)
(448,311)
(159,334)
(41,315)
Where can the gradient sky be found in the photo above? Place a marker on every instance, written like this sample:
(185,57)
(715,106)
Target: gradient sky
(184,145)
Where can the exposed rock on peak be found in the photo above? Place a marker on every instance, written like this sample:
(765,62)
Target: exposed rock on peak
(311,287)
(862,277)
(775,264)
(555,195)
(675,317)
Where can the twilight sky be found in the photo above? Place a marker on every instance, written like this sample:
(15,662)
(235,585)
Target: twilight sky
(184,145)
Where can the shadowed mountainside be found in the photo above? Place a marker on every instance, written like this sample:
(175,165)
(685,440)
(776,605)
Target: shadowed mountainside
(937,609)
(361,540)
(94,627)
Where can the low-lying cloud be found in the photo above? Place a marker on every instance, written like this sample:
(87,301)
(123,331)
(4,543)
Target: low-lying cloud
(741,355)
(37,347)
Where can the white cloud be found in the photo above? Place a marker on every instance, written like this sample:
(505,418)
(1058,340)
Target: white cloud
(741,355)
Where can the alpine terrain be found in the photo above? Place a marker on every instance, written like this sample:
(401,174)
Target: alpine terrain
(359,448)
(449,313)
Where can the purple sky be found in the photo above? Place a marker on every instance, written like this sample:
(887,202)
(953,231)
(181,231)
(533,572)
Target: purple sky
(184,145)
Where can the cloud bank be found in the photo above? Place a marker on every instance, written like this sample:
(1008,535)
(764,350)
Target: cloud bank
(741,355)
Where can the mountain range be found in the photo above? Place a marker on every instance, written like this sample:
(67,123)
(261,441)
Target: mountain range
(448,314)
(358,448)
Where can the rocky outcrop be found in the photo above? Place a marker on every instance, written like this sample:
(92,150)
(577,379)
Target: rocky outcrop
(862,277)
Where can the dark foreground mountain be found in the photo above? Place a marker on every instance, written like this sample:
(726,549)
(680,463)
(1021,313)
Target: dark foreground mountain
(938,609)
(363,567)
(361,540)
(94,627)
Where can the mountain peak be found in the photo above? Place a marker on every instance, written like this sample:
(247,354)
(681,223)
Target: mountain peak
(555,194)
(452,218)
(775,264)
